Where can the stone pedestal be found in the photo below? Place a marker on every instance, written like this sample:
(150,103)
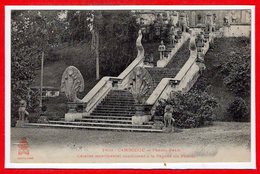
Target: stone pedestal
(75,111)
(73,116)
(168,129)
(158,125)
(140,120)
(20,123)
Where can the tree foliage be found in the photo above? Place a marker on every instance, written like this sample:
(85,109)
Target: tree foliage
(238,110)
(236,70)
(118,33)
(32,32)
(78,29)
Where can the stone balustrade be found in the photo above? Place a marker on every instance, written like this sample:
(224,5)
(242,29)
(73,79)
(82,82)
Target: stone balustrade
(235,30)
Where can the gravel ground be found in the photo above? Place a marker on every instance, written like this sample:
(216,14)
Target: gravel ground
(221,138)
(233,133)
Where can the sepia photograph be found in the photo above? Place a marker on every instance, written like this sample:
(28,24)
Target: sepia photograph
(130,87)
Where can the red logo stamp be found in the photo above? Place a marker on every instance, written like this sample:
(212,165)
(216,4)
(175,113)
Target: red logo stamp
(23,147)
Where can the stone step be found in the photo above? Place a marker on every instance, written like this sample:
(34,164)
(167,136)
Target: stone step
(107,117)
(101,124)
(158,74)
(99,120)
(115,109)
(117,103)
(119,100)
(108,106)
(91,127)
(180,57)
(120,92)
(112,114)
(121,113)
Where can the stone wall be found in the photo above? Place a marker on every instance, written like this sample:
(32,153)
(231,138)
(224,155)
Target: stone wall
(236,31)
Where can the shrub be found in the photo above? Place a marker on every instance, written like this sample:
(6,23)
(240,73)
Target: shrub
(238,110)
(192,109)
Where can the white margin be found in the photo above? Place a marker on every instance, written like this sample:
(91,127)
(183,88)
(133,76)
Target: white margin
(219,165)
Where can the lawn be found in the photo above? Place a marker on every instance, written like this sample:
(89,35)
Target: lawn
(205,144)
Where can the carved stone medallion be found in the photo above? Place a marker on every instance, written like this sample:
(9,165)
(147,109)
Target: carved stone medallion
(140,83)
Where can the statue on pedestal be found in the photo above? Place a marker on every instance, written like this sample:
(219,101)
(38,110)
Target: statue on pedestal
(162,49)
(168,120)
(22,111)
(140,84)
(72,82)
(23,114)
(192,45)
(174,18)
(233,17)
(183,22)
(209,23)
(226,21)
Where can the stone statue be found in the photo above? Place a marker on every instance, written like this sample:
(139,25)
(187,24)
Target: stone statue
(72,82)
(22,111)
(168,120)
(209,23)
(183,22)
(192,45)
(174,18)
(161,49)
(233,17)
(139,46)
(226,21)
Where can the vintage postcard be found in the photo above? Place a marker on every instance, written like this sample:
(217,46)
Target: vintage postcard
(169,87)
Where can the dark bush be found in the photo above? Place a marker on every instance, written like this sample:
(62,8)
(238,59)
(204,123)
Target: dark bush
(192,109)
(238,110)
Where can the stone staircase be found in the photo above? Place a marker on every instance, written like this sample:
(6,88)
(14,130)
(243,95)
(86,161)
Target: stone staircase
(158,74)
(173,67)
(180,57)
(113,113)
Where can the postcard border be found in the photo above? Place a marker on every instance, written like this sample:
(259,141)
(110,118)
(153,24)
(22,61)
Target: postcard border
(9,164)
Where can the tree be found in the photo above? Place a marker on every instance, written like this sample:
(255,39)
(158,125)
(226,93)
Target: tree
(32,32)
(117,32)
(238,110)
(236,70)
(78,26)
